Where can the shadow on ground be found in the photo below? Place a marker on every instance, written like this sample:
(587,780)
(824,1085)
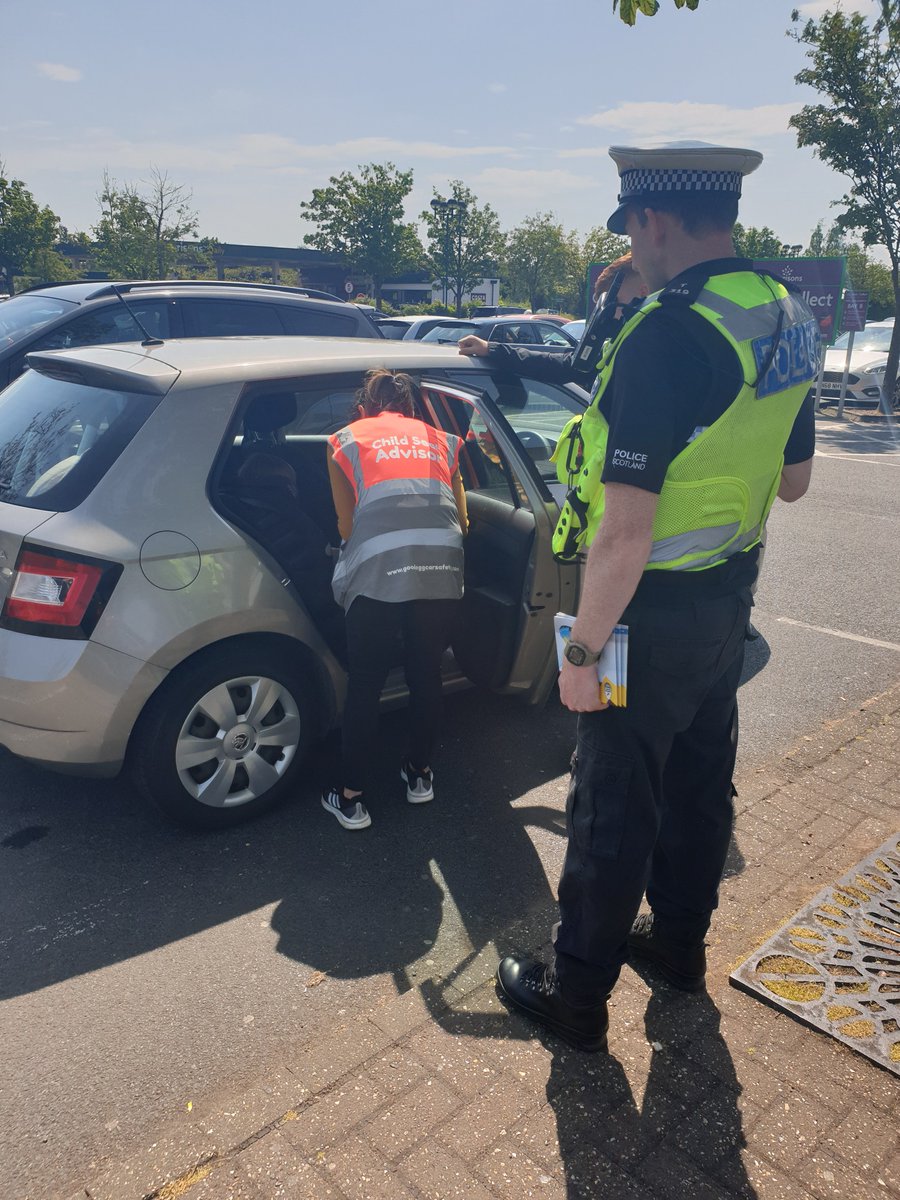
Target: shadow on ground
(89,877)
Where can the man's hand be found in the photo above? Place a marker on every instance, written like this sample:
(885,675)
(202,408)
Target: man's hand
(579,688)
(474,347)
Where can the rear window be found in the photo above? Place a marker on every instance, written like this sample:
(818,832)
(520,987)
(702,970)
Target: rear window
(313,322)
(58,439)
(229,318)
(448,334)
(22,315)
(393,329)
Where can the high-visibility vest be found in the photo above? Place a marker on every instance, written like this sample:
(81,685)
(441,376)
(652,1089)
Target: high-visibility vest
(406,541)
(719,489)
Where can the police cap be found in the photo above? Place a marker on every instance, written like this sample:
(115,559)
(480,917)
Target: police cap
(679,168)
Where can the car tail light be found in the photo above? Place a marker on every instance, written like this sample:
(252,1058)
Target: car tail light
(56,595)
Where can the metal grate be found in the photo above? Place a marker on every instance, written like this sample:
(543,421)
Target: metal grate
(836,963)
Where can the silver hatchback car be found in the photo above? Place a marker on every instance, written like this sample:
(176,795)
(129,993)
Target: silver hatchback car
(166,543)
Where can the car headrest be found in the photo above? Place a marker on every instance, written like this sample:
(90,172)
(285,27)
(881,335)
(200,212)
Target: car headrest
(270,411)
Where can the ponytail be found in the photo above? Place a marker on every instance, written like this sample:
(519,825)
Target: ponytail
(388,391)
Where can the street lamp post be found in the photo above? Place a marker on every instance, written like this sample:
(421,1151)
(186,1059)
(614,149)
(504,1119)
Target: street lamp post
(442,212)
(447,211)
(461,208)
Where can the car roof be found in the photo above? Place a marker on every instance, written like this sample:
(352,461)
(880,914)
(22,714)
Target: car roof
(102,289)
(207,361)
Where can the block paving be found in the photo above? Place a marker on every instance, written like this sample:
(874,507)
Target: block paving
(705,1097)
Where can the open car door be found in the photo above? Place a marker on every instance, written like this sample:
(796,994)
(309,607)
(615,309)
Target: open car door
(513,585)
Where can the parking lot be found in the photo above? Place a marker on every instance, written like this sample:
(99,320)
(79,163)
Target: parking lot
(143,967)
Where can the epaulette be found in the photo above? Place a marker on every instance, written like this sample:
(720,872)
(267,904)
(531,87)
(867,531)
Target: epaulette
(685,290)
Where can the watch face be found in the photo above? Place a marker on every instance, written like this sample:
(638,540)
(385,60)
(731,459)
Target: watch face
(576,655)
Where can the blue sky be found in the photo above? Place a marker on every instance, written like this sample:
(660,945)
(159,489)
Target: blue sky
(251,105)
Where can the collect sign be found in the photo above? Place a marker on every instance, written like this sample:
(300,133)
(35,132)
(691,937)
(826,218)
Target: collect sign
(821,283)
(856,306)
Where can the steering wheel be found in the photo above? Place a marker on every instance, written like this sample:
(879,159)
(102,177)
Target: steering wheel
(538,446)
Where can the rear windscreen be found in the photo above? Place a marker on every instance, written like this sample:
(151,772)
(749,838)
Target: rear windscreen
(21,315)
(58,438)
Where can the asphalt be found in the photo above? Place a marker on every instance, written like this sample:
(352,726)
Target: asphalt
(442,1093)
(143,971)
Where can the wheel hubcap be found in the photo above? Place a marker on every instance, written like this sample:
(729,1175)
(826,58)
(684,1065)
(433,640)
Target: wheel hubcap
(238,741)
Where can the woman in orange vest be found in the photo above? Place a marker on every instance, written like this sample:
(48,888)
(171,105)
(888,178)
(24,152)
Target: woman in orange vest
(401,513)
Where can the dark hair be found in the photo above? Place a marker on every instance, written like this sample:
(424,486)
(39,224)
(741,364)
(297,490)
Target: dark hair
(388,391)
(698,212)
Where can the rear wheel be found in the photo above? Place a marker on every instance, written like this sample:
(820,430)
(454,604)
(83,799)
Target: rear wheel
(223,739)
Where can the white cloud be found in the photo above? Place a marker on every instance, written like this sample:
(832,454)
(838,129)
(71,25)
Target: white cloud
(101,148)
(658,121)
(529,184)
(496,88)
(59,72)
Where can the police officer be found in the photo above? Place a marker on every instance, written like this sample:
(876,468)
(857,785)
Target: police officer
(700,417)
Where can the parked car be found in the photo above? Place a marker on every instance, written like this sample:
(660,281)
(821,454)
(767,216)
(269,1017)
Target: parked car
(524,331)
(165,515)
(575,329)
(556,318)
(868,360)
(91,313)
(414,329)
(496,310)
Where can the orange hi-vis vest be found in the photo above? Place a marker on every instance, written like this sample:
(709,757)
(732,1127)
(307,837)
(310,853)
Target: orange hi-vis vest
(406,542)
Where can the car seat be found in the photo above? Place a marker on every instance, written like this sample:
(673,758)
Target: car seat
(265,498)
(264,446)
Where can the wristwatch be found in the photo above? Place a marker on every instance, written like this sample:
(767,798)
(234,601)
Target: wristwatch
(579,655)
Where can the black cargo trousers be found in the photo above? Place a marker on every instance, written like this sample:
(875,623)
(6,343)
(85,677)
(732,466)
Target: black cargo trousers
(650,801)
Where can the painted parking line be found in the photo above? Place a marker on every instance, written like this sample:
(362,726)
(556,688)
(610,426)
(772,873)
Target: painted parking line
(838,633)
(890,458)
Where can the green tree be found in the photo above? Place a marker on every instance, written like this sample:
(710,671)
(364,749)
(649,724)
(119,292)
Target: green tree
(538,259)
(287,276)
(864,273)
(464,242)
(856,68)
(28,234)
(826,244)
(751,242)
(138,231)
(629,9)
(599,245)
(360,219)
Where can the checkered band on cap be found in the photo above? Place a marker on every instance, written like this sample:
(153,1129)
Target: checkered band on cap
(643,181)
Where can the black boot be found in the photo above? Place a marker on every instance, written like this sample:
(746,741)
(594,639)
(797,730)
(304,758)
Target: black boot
(681,964)
(533,988)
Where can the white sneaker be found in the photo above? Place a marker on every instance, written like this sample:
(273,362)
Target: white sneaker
(352,814)
(419,784)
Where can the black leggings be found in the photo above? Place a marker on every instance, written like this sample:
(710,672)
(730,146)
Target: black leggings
(372,630)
